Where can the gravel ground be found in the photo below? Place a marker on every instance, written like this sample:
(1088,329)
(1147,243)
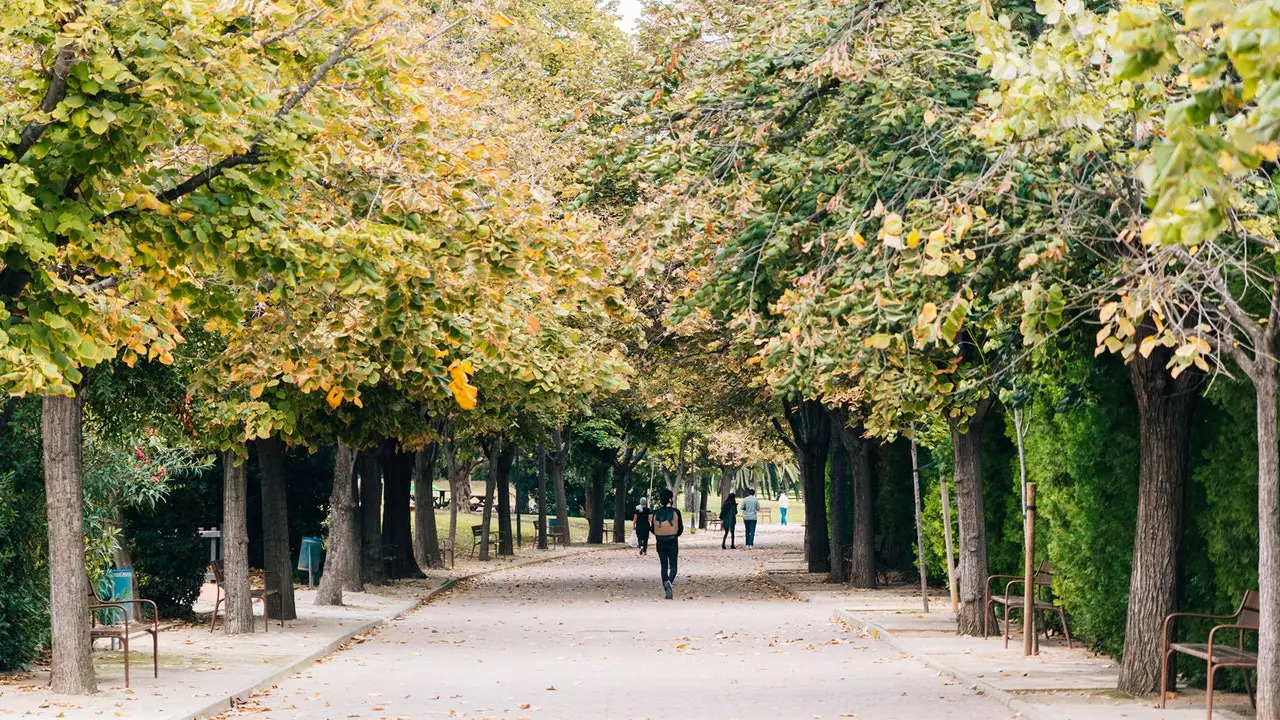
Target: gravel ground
(592,637)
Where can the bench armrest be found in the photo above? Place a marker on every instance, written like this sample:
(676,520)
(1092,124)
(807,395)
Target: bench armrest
(1168,623)
(1230,626)
(155,612)
(998,577)
(114,605)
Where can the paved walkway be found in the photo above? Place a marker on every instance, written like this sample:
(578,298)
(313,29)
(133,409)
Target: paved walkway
(592,637)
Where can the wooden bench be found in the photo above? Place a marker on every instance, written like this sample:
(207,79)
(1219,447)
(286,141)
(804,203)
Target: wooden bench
(1043,579)
(477,534)
(264,593)
(555,534)
(765,515)
(1215,656)
(121,631)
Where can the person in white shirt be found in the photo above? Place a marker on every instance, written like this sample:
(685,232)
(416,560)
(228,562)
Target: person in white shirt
(750,506)
(782,507)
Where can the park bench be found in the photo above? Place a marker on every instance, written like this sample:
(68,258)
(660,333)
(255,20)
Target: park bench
(264,593)
(446,548)
(1042,581)
(557,535)
(713,522)
(121,631)
(1216,656)
(765,515)
(477,534)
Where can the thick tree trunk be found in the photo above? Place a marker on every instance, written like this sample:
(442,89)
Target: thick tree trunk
(491,479)
(727,475)
(862,569)
(235,547)
(371,570)
(704,491)
(1265,383)
(276,554)
(621,477)
(62,427)
(838,489)
(1164,419)
(559,461)
(810,430)
(966,442)
(542,498)
(397,525)
(506,458)
(595,504)
(341,562)
(426,539)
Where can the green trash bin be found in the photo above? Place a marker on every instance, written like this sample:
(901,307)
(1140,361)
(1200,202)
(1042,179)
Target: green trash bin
(116,585)
(309,558)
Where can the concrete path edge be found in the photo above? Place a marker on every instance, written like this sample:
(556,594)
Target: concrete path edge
(229,701)
(1013,702)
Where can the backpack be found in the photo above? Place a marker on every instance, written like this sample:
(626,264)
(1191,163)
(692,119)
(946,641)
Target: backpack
(666,522)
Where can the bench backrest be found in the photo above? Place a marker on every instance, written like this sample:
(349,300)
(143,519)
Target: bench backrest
(1249,607)
(1044,574)
(216,566)
(476,530)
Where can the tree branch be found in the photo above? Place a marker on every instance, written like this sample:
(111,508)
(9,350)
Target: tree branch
(54,95)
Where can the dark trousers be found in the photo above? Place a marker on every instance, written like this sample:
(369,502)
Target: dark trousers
(642,539)
(668,554)
(751,532)
(729,534)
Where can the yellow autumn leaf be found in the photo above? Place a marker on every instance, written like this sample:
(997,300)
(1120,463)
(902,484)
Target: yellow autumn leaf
(185,216)
(928,313)
(929,118)
(531,323)
(484,61)
(255,392)
(500,20)
(753,360)
(334,398)
(879,341)
(1028,260)
(1270,151)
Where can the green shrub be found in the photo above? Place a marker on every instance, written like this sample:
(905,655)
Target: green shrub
(24,591)
(169,559)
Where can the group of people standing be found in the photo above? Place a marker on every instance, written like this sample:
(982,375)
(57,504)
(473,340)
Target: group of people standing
(729,519)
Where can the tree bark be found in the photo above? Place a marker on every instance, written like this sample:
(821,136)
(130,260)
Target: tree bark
(810,431)
(426,539)
(235,547)
(491,479)
(966,442)
(542,498)
(1164,419)
(595,502)
(1265,383)
(703,493)
(371,570)
(621,477)
(559,461)
(341,562)
(862,569)
(62,427)
(838,497)
(506,458)
(276,553)
(397,525)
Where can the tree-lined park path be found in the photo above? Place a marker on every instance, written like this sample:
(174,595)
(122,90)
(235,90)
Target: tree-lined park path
(591,636)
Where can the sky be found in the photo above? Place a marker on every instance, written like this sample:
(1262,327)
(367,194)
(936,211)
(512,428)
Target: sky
(628,10)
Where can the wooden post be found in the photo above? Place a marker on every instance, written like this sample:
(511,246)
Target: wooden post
(1028,572)
(946,533)
(915,487)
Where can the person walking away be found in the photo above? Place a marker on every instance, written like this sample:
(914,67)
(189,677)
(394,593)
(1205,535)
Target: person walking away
(782,507)
(668,526)
(641,522)
(729,521)
(750,508)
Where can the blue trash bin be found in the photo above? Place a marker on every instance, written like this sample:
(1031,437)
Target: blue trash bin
(116,585)
(309,557)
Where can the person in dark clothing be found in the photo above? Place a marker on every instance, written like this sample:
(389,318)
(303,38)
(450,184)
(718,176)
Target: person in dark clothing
(728,521)
(641,521)
(668,526)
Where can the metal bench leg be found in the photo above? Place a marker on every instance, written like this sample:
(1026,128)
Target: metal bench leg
(125,642)
(1248,686)
(1062,615)
(1164,677)
(155,651)
(1208,692)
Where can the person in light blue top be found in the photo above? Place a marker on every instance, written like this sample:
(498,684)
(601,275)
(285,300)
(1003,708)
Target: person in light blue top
(750,509)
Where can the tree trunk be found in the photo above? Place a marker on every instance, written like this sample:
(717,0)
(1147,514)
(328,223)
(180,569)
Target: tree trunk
(838,490)
(371,570)
(621,476)
(727,474)
(542,498)
(426,539)
(491,479)
(62,427)
(595,504)
(506,458)
(235,547)
(559,461)
(862,569)
(341,566)
(397,526)
(810,429)
(966,442)
(703,493)
(276,553)
(1265,383)
(1164,419)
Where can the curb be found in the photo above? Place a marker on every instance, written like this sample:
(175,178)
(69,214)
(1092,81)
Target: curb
(1013,702)
(231,700)
(778,583)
